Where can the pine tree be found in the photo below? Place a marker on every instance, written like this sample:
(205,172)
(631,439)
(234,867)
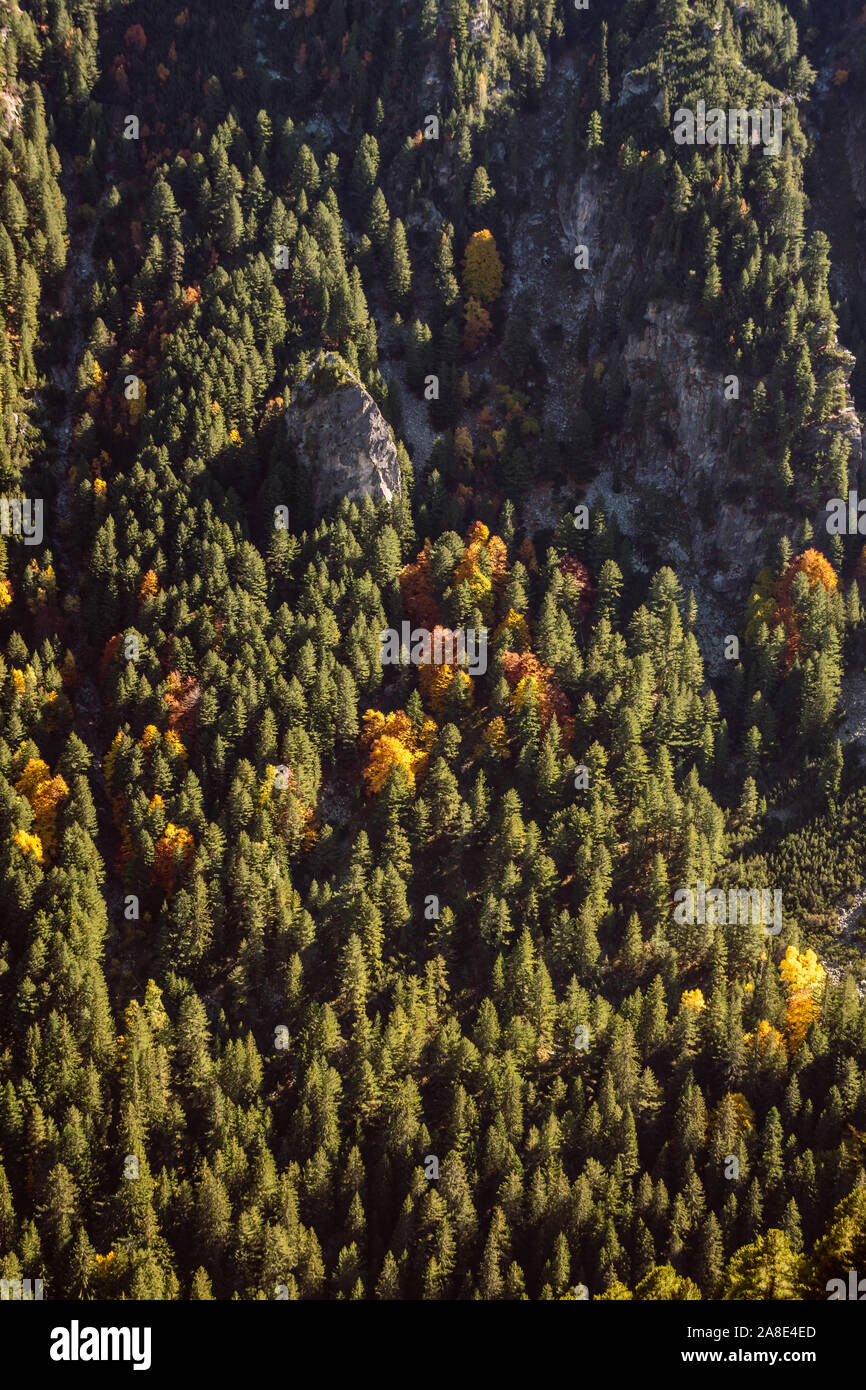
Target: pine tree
(603,78)
(399,266)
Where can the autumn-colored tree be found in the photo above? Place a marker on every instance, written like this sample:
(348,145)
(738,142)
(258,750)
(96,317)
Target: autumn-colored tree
(29,845)
(416,588)
(486,578)
(477,328)
(44,794)
(174,745)
(182,699)
(765,1038)
(109,652)
(149,587)
(771,601)
(524,673)
(137,404)
(171,743)
(435,677)
(495,739)
(528,556)
(518,630)
(803,976)
(135,39)
(482,268)
(734,1107)
(463,450)
(392,741)
(815,566)
(150,736)
(69,671)
(173,853)
(290,815)
(577,570)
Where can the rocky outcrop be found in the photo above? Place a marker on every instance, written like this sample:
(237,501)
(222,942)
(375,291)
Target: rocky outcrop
(342,437)
(641,84)
(711,539)
(668,348)
(673,485)
(678,471)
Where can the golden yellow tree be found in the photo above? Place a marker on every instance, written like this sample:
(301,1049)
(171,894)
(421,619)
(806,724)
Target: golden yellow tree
(765,1039)
(173,853)
(393,741)
(482,268)
(495,738)
(29,844)
(44,794)
(803,976)
(486,582)
(517,628)
(693,999)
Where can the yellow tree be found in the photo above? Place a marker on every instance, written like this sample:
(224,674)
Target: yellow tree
(485,583)
(392,741)
(766,1039)
(495,738)
(482,268)
(803,976)
(693,999)
(173,853)
(44,794)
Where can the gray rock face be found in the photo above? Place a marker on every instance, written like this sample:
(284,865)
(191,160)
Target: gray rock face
(634,85)
(669,348)
(342,437)
(672,486)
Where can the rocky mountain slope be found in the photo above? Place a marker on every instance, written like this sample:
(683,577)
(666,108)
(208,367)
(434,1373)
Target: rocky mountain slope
(342,437)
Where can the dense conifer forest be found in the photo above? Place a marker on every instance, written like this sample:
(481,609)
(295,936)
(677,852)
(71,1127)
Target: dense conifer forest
(328,978)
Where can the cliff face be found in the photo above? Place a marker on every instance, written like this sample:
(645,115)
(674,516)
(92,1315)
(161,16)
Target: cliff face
(683,486)
(342,437)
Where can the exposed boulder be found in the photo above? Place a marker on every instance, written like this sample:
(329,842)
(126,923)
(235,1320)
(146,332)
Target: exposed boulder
(342,437)
(640,84)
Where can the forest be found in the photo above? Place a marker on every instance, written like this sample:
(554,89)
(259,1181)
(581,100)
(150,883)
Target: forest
(324,978)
